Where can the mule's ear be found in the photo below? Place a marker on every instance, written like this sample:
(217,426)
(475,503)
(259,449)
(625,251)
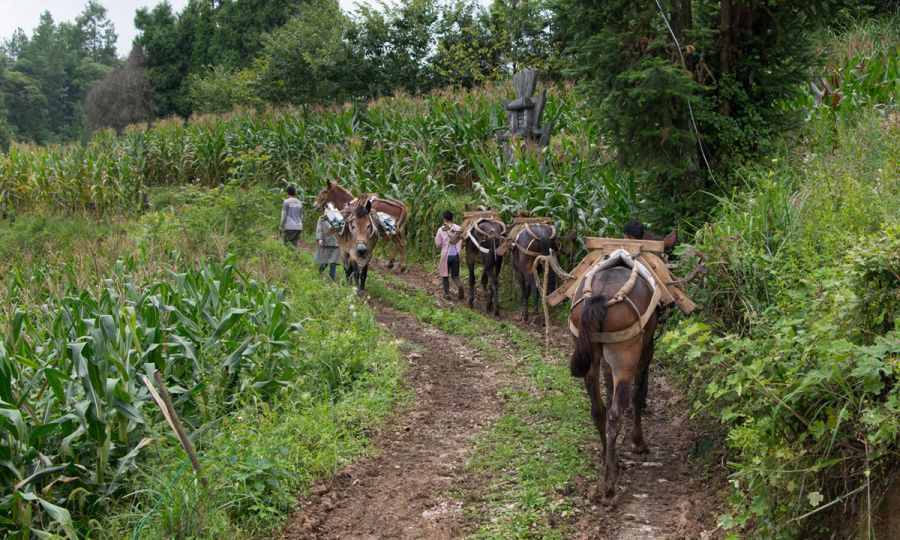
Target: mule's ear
(328,184)
(368,205)
(670,240)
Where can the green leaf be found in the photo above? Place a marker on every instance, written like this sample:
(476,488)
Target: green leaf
(13,417)
(57,513)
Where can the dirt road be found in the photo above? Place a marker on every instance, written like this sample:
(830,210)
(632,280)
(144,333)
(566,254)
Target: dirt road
(408,489)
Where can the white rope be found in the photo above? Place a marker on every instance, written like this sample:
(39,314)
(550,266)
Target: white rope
(690,109)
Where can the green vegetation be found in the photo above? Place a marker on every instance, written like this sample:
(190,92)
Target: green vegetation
(419,150)
(276,375)
(797,354)
(527,462)
(45,77)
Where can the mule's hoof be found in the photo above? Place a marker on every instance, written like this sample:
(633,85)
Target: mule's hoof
(640,448)
(610,497)
(471,304)
(389,265)
(403,269)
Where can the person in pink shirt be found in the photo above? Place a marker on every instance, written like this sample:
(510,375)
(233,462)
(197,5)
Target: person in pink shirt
(450,253)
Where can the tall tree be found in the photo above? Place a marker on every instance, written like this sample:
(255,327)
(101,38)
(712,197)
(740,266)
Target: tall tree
(307,60)
(96,34)
(740,57)
(50,73)
(123,97)
(168,58)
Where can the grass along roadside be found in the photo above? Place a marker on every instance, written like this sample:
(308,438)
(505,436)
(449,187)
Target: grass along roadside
(520,476)
(336,379)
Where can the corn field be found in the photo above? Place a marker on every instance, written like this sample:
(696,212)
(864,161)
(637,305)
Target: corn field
(416,149)
(70,393)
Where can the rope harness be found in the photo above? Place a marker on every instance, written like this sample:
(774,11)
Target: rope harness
(621,296)
(488,235)
(526,228)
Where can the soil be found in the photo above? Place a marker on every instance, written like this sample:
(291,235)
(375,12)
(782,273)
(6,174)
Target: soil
(405,491)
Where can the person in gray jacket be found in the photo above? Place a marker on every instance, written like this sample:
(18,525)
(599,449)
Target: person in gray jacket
(327,252)
(291,218)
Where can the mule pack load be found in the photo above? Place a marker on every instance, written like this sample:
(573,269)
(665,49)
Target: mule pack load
(522,227)
(649,253)
(334,217)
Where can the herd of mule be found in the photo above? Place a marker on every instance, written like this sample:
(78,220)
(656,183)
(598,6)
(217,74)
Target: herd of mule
(616,297)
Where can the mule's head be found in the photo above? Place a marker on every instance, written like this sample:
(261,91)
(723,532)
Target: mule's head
(361,232)
(636,230)
(324,197)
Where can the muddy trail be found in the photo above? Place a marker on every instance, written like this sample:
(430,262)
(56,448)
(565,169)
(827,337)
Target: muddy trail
(402,492)
(406,490)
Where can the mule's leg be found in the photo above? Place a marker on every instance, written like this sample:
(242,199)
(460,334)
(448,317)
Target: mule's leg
(396,240)
(400,242)
(471,265)
(497,269)
(348,269)
(642,378)
(494,298)
(523,292)
(598,409)
(362,277)
(620,395)
(533,291)
(623,361)
(486,280)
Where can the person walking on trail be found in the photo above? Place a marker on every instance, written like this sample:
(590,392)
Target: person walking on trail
(326,247)
(291,218)
(450,252)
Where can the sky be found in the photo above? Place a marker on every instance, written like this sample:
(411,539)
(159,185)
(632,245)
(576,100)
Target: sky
(25,14)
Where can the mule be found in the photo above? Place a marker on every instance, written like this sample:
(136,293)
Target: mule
(357,240)
(613,318)
(482,242)
(340,197)
(532,241)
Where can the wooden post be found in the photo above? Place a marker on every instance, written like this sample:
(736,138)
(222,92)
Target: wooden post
(165,404)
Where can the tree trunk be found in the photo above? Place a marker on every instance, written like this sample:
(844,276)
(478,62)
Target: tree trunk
(726,60)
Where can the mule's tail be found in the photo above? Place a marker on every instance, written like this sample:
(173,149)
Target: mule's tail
(592,317)
(492,258)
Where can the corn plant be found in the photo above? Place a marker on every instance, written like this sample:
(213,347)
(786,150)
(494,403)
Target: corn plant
(73,412)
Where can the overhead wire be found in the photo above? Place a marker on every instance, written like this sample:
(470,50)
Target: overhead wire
(690,108)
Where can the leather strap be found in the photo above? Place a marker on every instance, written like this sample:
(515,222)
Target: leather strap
(627,333)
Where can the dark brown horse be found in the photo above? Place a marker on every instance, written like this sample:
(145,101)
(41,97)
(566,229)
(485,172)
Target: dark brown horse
(357,240)
(340,197)
(482,242)
(613,318)
(530,242)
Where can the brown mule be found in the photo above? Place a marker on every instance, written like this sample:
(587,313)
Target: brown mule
(357,240)
(340,197)
(482,243)
(530,242)
(613,319)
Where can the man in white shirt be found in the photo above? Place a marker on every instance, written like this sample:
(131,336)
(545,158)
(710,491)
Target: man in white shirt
(291,218)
